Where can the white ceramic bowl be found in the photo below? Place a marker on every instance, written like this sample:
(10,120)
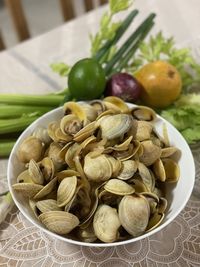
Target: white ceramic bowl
(177,195)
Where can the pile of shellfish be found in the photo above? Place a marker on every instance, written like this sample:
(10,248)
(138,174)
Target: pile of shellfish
(99,172)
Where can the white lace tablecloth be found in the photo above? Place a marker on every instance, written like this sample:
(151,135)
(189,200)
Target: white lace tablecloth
(25,69)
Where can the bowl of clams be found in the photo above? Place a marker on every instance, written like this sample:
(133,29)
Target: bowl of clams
(101,173)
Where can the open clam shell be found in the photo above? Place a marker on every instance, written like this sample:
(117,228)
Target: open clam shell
(28,189)
(60,222)
(151,153)
(47,205)
(118,187)
(115,103)
(48,188)
(24,177)
(143,113)
(35,172)
(66,190)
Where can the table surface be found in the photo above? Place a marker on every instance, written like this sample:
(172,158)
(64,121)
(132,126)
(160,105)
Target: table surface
(25,69)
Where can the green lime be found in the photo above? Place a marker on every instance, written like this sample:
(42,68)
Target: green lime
(86,80)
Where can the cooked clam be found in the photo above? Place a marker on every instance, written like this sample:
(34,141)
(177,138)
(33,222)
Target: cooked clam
(118,187)
(134,212)
(106,224)
(143,113)
(24,177)
(47,205)
(35,172)
(66,190)
(115,126)
(129,167)
(48,188)
(60,222)
(151,153)
(30,148)
(27,189)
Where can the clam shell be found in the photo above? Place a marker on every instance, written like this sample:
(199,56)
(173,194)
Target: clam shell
(150,154)
(75,109)
(139,186)
(134,212)
(52,126)
(66,173)
(129,167)
(143,113)
(35,172)
(42,134)
(90,111)
(48,188)
(60,222)
(33,207)
(155,221)
(54,155)
(115,126)
(47,168)
(116,103)
(30,148)
(168,151)
(69,156)
(98,105)
(116,165)
(66,190)
(47,205)
(146,176)
(85,132)
(97,169)
(159,170)
(24,177)
(106,224)
(70,125)
(143,131)
(28,189)
(118,187)
(172,170)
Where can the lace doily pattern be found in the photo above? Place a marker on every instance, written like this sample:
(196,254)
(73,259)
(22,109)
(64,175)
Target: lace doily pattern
(177,245)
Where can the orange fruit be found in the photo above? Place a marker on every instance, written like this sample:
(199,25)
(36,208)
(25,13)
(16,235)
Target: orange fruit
(162,84)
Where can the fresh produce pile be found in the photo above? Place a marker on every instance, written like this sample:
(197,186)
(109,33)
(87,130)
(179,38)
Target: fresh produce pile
(153,72)
(99,172)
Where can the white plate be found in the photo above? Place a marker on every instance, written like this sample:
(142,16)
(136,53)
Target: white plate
(177,195)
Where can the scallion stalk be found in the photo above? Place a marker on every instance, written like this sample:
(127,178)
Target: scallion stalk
(121,30)
(129,54)
(35,100)
(129,42)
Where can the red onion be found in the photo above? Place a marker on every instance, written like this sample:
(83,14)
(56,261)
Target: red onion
(125,86)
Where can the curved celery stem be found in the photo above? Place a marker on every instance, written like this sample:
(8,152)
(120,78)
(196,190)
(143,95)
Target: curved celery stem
(6,147)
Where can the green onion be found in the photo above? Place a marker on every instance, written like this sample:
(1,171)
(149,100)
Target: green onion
(37,100)
(129,42)
(121,30)
(14,111)
(16,125)
(129,54)
(6,147)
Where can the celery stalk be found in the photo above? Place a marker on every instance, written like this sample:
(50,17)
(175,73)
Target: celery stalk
(14,111)
(6,205)
(6,147)
(37,100)
(16,125)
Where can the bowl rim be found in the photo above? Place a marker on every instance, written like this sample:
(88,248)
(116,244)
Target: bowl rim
(87,244)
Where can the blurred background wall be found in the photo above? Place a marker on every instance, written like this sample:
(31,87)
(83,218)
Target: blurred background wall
(41,15)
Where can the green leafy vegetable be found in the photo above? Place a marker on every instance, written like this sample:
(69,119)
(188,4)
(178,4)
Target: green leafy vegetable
(119,5)
(61,68)
(160,48)
(108,27)
(185,116)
